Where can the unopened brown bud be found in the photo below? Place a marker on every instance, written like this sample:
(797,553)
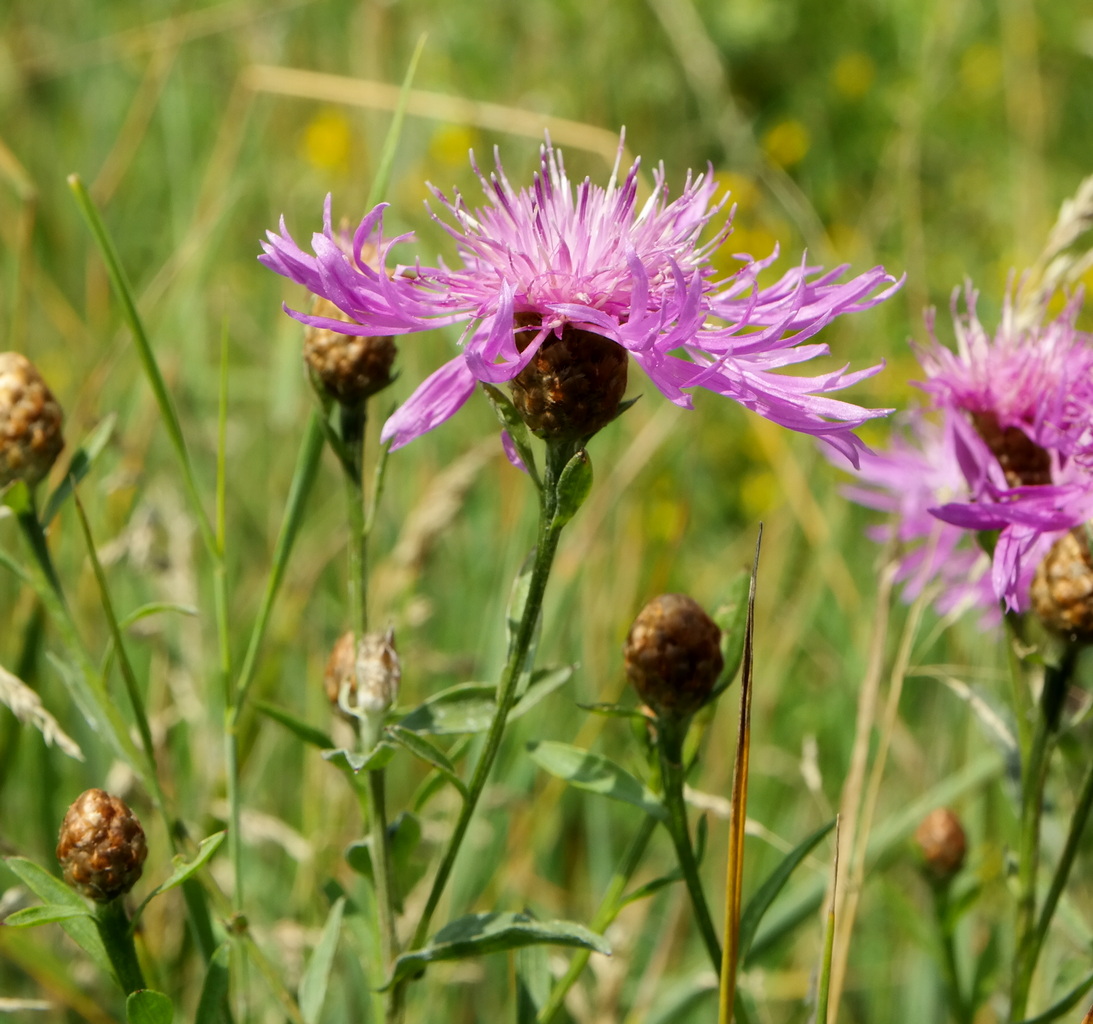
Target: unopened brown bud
(574,384)
(101,846)
(363,682)
(673,655)
(942,843)
(350,368)
(30,422)
(1062,590)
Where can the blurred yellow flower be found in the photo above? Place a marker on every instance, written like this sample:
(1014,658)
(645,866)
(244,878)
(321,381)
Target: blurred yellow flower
(786,143)
(451,143)
(853,74)
(327,140)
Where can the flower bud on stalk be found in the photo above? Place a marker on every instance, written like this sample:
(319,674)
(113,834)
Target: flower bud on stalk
(1062,590)
(363,683)
(101,846)
(942,843)
(30,422)
(348,367)
(673,656)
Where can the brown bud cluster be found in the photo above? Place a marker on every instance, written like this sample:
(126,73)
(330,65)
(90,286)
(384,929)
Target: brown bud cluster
(942,843)
(30,422)
(363,681)
(1062,590)
(101,846)
(574,384)
(350,368)
(673,655)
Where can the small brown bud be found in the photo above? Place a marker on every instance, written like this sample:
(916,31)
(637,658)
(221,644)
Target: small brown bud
(941,840)
(673,655)
(1062,590)
(30,422)
(101,846)
(363,683)
(574,384)
(349,367)
(1022,460)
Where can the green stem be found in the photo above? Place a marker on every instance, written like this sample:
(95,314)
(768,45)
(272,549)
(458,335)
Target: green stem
(116,937)
(959,1009)
(613,901)
(549,534)
(670,736)
(1066,861)
(1033,777)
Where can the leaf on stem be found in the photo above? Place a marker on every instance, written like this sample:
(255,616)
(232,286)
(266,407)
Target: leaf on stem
(469,707)
(354,761)
(759,903)
(184,869)
(215,988)
(47,913)
(479,934)
(147,1006)
(407,859)
(513,424)
(316,978)
(428,752)
(595,773)
(1066,1004)
(301,729)
(79,466)
(81,928)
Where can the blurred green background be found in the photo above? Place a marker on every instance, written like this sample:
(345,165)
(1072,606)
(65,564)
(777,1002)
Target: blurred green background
(935,138)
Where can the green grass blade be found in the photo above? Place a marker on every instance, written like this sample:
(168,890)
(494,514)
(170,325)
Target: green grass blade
(167,411)
(382,180)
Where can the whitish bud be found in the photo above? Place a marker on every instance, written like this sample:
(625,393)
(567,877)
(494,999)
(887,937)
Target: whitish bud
(363,683)
(101,846)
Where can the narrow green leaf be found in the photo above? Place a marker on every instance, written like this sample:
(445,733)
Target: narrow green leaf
(29,917)
(758,905)
(83,930)
(1064,1005)
(533,981)
(407,857)
(480,934)
(513,424)
(595,774)
(304,731)
(544,681)
(518,597)
(147,1006)
(316,977)
(613,710)
(155,608)
(350,760)
(469,707)
(649,888)
(574,485)
(428,752)
(184,869)
(210,1009)
(732,617)
(79,466)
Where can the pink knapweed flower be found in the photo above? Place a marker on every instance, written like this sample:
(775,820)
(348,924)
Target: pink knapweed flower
(551,264)
(1017,414)
(917,472)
